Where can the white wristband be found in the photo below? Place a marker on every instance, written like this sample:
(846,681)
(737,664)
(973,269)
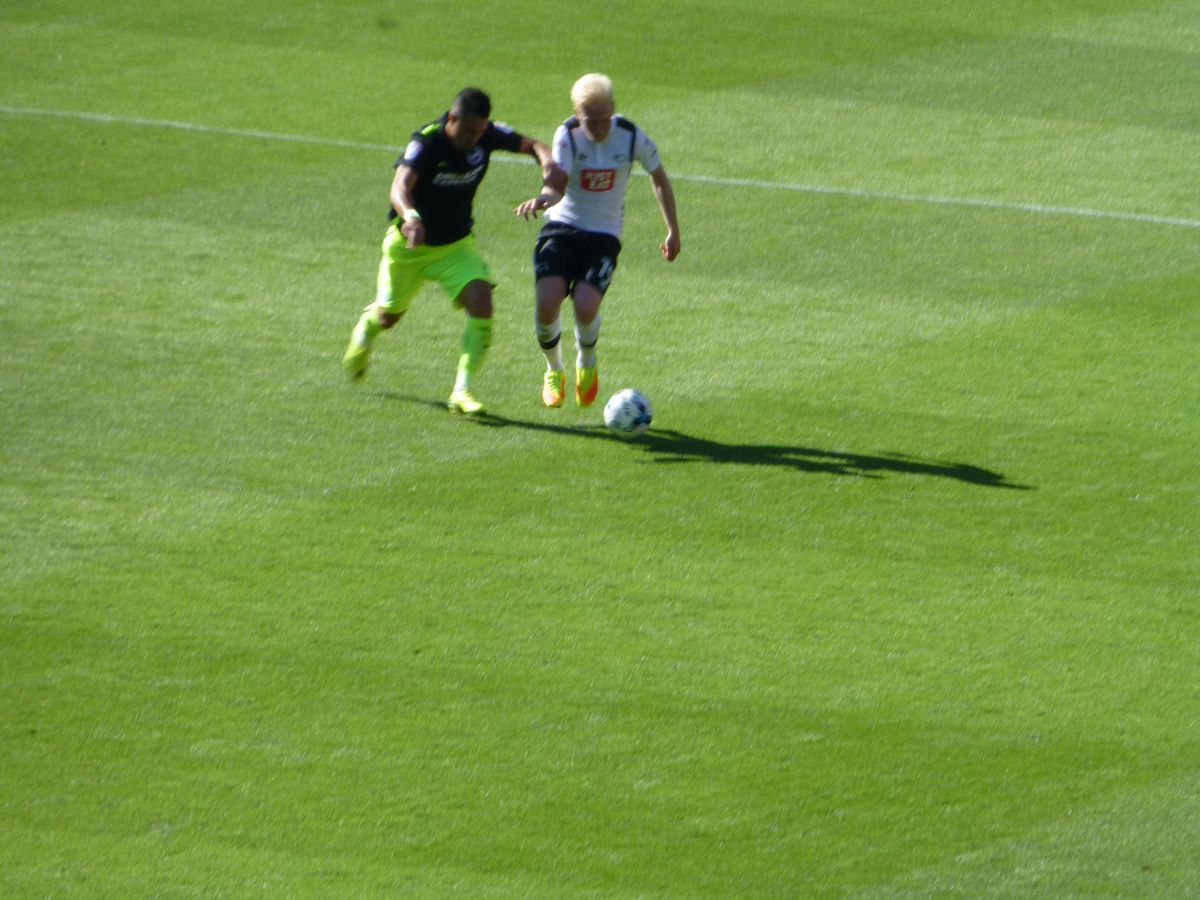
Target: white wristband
(411,215)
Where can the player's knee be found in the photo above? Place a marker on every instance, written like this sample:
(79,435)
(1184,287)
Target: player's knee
(548,308)
(388,319)
(476,299)
(587,307)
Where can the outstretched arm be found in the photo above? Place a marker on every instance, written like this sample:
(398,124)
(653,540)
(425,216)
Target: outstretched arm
(554,182)
(665,195)
(547,198)
(553,176)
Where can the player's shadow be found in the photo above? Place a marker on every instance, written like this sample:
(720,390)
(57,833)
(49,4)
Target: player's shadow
(673,447)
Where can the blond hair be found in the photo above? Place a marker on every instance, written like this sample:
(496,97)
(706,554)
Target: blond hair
(591,88)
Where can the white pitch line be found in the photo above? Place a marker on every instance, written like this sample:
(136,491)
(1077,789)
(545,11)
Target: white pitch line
(947,201)
(190,126)
(932,200)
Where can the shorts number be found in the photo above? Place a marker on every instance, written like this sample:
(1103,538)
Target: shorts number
(605,273)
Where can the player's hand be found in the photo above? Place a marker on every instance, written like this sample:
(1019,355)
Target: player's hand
(555,177)
(414,233)
(532,207)
(670,247)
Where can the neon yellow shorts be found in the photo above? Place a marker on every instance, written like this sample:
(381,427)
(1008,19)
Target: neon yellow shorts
(402,272)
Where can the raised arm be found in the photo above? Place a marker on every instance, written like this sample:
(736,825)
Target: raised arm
(665,195)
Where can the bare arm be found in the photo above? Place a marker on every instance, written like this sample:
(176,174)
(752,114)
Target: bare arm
(544,200)
(665,195)
(552,175)
(401,196)
(554,181)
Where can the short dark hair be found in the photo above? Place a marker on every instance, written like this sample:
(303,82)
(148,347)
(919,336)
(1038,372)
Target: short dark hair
(472,103)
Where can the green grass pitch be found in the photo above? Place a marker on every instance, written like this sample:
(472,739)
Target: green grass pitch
(898,598)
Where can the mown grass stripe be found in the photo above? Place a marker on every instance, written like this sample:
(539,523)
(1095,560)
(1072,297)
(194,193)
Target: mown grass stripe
(898,197)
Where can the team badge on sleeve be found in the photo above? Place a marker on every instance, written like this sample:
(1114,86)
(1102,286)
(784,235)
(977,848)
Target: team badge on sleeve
(413,151)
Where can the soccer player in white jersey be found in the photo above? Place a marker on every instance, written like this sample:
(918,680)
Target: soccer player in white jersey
(577,248)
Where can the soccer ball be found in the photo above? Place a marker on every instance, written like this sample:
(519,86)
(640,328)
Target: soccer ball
(628,413)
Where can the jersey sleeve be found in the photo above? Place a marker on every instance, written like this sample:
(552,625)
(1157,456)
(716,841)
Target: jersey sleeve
(562,149)
(414,155)
(503,137)
(646,151)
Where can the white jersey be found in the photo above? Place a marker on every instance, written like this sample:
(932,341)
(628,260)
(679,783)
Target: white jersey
(599,173)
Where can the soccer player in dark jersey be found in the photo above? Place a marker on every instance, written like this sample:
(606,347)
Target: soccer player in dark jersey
(429,233)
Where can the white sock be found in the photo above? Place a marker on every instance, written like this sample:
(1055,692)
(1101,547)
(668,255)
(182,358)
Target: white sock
(586,337)
(550,340)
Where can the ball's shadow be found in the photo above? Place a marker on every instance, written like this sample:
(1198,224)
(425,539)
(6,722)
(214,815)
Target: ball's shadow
(667,446)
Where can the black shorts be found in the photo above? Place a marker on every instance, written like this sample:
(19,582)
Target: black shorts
(578,256)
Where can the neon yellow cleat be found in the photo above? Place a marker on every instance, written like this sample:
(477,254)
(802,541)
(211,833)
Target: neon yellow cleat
(554,388)
(587,386)
(355,361)
(463,402)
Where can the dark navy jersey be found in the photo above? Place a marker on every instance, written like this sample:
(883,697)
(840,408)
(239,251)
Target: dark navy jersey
(447,180)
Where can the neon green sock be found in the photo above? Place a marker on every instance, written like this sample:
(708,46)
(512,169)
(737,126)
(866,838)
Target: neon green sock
(476,339)
(368,327)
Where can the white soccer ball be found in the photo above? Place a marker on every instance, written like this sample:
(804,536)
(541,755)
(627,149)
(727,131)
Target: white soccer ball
(628,413)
